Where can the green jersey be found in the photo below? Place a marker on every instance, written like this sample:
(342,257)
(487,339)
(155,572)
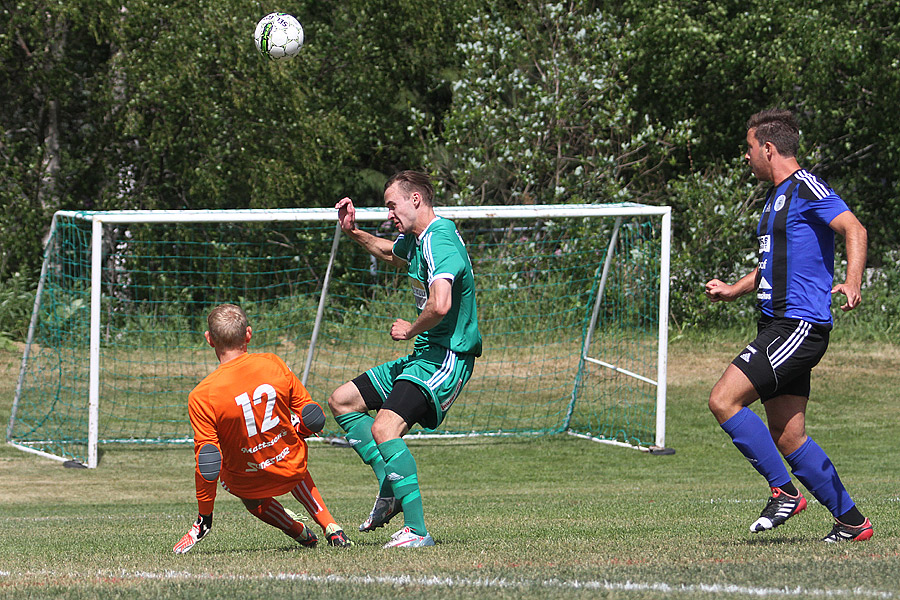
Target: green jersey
(439,253)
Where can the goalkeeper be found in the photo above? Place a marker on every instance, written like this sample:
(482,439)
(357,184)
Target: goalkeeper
(418,388)
(249,417)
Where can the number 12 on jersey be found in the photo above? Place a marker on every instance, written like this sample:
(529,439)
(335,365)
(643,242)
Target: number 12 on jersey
(264,391)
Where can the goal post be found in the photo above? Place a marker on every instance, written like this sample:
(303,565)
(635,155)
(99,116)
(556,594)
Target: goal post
(572,304)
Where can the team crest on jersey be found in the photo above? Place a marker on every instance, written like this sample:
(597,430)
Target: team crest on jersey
(779,203)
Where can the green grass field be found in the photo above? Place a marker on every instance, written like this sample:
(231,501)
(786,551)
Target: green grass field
(515,518)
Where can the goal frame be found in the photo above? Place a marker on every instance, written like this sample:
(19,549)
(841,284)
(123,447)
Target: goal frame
(100,218)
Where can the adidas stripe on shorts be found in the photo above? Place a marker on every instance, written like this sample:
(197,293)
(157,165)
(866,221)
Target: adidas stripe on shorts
(779,361)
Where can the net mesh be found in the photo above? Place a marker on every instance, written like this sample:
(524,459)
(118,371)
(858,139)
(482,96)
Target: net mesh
(537,282)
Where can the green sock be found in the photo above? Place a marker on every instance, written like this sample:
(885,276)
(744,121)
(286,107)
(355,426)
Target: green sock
(358,426)
(403,477)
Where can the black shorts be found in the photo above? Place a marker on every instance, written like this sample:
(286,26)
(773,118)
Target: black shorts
(406,399)
(779,361)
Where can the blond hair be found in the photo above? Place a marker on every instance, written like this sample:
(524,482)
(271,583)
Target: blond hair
(227,326)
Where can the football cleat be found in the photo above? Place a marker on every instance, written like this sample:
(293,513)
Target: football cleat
(845,533)
(407,538)
(196,533)
(779,509)
(307,538)
(336,536)
(384,510)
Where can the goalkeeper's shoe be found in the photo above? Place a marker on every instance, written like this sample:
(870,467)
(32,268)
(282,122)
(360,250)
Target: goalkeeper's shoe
(196,533)
(306,537)
(779,509)
(384,510)
(336,536)
(407,538)
(846,533)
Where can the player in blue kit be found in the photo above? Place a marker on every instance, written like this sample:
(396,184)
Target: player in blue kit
(793,281)
(421,387)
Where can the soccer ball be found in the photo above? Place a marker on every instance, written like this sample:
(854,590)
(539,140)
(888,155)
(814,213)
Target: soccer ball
(278,35)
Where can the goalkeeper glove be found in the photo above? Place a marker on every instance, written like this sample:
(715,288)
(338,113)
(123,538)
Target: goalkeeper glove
(310,421)
(196,533)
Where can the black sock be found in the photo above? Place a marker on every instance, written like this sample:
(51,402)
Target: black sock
(790,489)
(852,517)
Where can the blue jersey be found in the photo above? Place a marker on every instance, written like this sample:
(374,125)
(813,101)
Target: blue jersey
(796,249)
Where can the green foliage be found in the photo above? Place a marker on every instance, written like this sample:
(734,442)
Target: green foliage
(210,122)
(16,304)
(52,129)
(714,223)
(171,106)
(149,105)
(543,112)
(835,63)
(878,317)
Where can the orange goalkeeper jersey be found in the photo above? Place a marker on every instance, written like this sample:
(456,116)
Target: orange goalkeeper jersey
(244,408)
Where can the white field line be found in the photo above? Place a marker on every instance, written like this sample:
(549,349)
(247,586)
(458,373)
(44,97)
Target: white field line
(486,583)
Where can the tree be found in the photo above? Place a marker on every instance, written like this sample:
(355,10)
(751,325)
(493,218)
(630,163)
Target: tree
(52,64)
(137,104)
(543,112)
(834,63)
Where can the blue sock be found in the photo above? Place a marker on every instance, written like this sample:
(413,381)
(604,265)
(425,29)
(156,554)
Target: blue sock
(814,470)
(752,438)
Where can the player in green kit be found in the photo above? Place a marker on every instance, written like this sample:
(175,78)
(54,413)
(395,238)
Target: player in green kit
(421,387)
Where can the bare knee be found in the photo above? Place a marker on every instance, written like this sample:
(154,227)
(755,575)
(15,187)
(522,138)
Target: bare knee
(787,439)
(787,422)
(731,393)
(346,399)
(388,425)
(721,404)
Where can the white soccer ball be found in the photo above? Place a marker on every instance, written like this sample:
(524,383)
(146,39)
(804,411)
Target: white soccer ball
(278,35)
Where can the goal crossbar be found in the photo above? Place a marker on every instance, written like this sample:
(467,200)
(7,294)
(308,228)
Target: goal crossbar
(367,213)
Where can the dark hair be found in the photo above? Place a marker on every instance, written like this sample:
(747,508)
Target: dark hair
(227,326)
(413,181)
(779,127)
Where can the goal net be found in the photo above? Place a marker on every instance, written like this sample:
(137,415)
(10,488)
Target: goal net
(572,306)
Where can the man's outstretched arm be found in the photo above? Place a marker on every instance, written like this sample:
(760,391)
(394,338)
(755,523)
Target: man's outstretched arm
(380,248)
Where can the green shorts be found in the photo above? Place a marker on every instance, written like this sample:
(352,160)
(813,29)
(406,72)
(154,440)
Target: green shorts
(439,372)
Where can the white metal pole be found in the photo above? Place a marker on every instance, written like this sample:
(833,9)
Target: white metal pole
(610,250)
(32,325)
(320,311)
(663,351)
(94,375)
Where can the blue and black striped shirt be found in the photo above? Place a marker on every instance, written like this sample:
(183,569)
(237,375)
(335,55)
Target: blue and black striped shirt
(796,249)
